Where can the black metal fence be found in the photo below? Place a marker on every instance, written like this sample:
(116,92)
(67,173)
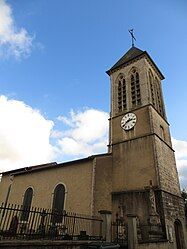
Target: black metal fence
(119,232)
(18,222)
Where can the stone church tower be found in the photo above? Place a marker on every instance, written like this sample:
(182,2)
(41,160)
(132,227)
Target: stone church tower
(137,179)
(145,180)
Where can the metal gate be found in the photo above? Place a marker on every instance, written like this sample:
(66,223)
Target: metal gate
(120,232)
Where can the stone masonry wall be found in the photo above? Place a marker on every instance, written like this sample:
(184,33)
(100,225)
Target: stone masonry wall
(167,167)
(43,244)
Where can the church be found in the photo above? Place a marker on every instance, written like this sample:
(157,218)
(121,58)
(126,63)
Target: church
(137,176)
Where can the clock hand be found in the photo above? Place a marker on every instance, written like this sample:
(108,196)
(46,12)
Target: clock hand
(128,120)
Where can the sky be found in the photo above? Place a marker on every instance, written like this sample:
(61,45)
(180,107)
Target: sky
(54,92)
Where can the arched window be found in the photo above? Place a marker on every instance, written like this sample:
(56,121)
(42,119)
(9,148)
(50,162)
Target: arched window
(122,101)
(159,97)
(162,133)
(152,89)
(27,200)
(58,203)
(179,235)
(135,89)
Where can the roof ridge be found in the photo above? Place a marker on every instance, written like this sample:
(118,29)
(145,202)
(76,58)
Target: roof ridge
(132,53)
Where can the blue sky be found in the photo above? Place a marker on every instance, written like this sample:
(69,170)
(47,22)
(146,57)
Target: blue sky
(58,63)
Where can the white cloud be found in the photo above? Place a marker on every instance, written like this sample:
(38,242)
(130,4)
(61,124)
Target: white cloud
(56,134)
(87,133)
(13,41)
(72,147)
(24,135)
(180,148)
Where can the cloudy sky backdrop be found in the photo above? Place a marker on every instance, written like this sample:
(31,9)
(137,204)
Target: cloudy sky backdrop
(54,99)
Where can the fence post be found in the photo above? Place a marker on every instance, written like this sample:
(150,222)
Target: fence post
(132,231)
(106,224)
(73,224)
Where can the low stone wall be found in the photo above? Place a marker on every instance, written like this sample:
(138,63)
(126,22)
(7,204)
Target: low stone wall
(43,244)
(155,245)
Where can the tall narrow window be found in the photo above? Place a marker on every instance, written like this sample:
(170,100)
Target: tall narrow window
(152,89)
(27,200)
(162,134)
(122,102)
(58,203)
(135,89)
(159,97)
(119,96)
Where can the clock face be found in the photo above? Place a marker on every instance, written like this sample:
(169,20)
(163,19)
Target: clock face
(128,121)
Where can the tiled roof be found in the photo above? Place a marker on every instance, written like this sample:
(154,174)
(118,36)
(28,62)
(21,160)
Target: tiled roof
(132,54)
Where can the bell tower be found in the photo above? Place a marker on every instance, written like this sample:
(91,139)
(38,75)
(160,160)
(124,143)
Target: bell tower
(145,178)
(135,83)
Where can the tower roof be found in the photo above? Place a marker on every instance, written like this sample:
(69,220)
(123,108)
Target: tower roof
(130,55)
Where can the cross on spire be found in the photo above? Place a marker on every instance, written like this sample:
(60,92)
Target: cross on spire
(132,36)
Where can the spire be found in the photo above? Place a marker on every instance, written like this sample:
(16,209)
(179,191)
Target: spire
(131,54)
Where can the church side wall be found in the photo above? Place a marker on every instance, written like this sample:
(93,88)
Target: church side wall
(77,179)
(4,185)
(103,184)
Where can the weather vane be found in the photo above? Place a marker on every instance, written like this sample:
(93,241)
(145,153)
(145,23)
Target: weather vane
(132,36)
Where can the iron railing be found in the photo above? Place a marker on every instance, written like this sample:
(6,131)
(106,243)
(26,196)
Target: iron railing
(18,222)
(119,232)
